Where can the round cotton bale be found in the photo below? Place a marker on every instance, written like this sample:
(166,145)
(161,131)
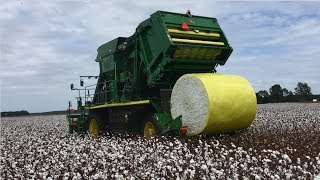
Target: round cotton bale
(213,103)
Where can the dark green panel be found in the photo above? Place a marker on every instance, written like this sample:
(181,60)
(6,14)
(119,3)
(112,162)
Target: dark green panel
(107,63)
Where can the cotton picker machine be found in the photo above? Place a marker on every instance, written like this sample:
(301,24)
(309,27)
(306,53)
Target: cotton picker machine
(163,80)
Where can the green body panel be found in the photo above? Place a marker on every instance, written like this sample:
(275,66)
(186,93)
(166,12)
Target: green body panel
(161,50)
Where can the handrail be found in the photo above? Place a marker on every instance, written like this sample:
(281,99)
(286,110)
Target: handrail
(88,97)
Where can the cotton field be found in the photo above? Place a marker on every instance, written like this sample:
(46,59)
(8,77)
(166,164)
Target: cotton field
(282,143)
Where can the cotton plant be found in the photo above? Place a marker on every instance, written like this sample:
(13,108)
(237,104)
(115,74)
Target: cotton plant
(39,147)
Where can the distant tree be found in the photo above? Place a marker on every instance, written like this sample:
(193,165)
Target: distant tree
(303,89)
(303,92)
(262,97)
(288,95)
(276,93)
(285,92)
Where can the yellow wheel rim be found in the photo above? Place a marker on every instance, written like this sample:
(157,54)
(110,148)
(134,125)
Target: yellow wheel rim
(149,130)
(93,127)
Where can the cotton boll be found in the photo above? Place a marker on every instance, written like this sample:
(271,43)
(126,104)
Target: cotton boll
(308,157)
(192,161)
(205,168)
(286,157)
(298,161)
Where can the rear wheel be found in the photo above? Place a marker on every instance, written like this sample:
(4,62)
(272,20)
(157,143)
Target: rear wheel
(150,128)
(93,127)
(96,125)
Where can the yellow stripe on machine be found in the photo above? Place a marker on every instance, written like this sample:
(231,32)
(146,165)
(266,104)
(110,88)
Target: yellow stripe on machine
(177,31)
(131,103)
(196,41)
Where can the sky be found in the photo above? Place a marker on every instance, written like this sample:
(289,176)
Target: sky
(46,45)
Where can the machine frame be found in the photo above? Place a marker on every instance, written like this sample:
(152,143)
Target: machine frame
(138,73)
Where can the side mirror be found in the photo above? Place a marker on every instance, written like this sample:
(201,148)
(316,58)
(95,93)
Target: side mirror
(70,104)
(81,82)
(71,86)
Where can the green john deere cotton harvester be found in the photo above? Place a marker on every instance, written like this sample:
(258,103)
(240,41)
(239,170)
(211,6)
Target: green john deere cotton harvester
(163,79)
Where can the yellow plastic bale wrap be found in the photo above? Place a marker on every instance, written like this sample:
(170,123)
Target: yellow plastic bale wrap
(212,103)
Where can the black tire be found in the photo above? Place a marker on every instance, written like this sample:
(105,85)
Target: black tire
(100,124)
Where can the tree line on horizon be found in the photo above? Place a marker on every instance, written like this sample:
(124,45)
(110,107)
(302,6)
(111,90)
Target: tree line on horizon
(14,113)
(26,113)
(276,94)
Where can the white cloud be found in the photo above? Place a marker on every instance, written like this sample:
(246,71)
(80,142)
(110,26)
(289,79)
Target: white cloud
(45,45)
